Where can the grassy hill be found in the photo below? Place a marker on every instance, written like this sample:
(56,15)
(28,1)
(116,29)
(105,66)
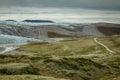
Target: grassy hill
(76,59)
(77,46)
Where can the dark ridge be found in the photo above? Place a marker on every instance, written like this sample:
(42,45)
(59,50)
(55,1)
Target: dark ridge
(108,29)
(11,20)
(57,35)
(38,21)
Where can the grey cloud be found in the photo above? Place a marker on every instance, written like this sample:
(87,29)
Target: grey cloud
(94,4)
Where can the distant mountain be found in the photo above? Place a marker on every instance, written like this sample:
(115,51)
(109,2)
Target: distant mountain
(11,20)
(42,32)
(108,29)
(38,21)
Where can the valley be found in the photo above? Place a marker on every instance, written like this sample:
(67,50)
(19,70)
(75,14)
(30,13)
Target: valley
(59,51)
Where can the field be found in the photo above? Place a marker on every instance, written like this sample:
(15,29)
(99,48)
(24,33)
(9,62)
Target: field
(76,59)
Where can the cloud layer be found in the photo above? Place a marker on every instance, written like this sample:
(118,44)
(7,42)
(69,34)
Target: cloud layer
(93,4)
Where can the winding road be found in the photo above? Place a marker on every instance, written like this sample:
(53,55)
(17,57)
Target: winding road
(95,39)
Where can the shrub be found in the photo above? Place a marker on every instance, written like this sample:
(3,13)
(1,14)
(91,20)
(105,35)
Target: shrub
(40,79)
(87,68)
(71,63)
(3,71)
(30,70)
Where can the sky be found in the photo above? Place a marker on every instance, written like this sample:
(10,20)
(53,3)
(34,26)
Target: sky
(61,10)
(93,4)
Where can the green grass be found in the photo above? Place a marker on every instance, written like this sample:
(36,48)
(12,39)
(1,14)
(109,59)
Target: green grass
(113,42)
(78,46)
(27,77)
(88,68)
(77,59)
(48,66)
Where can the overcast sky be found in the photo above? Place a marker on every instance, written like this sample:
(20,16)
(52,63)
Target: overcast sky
(61,10)
(93,4)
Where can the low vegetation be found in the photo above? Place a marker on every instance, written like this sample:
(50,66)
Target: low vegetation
(27,77)
(78,46)
(72,68)
(77,59)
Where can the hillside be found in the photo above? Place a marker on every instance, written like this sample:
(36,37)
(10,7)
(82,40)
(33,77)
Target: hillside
(38,31)
(86,52)
(102,29)
(78,59)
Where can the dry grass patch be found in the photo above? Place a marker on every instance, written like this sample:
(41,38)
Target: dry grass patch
(27,77)
(78,46)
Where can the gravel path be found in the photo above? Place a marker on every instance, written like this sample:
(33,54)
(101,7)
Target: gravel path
(106,47)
